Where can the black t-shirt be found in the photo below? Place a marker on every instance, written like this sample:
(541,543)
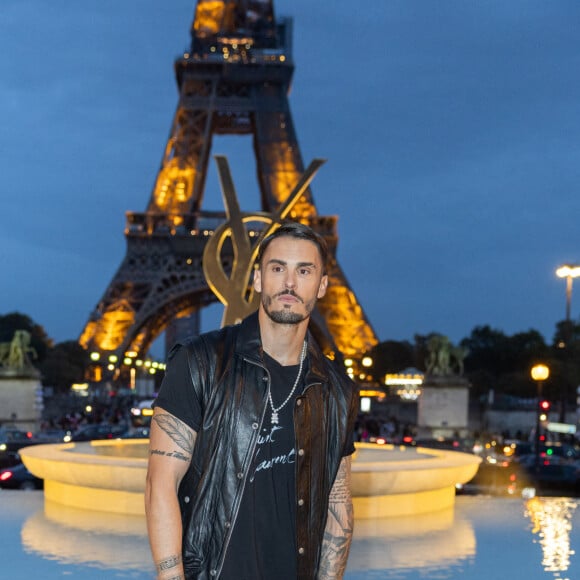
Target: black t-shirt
(263,541)
(177,395)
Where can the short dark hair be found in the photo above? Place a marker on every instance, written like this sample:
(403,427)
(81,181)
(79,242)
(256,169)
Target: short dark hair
(297,231)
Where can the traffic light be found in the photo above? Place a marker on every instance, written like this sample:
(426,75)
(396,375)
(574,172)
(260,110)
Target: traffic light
(544,409)
(545,406)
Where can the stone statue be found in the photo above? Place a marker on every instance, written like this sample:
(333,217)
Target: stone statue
(444,359)
(14,355)
(458,354)
(437,362)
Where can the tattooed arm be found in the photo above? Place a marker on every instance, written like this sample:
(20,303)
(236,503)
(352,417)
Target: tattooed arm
(339,526)
(170,450)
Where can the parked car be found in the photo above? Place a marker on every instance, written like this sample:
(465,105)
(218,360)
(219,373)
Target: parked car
(137,433)
(522,449)
(142,412)
(11,438)
(18,477)
(52,435)
(550,475)
(94,432)
(11,441)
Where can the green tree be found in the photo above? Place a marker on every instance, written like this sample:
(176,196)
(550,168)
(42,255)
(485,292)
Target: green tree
(564,366)
(391,356)
(567,332)
(487,349)
(64,365)
(500,362)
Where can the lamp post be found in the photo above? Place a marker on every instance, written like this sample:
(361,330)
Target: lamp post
(568,271)
(539,373)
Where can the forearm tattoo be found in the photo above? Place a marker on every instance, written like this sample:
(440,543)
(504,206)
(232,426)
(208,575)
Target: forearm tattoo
(167,564)
(179,433)
(339,527)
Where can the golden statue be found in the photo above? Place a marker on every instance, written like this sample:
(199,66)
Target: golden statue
(235,292)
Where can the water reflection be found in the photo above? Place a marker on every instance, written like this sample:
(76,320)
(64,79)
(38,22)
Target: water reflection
(74,536)
(433,540)
(552,523)
(454,544)
(98,539)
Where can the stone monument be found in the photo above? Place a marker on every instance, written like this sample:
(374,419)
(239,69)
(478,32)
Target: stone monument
(444,402)
(21,401)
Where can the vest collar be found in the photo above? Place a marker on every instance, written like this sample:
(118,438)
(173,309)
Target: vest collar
(249,345)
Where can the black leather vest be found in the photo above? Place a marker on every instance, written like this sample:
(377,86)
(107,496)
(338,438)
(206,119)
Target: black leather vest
(233,384)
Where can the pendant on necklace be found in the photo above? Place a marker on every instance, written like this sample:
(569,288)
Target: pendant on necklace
(274,419)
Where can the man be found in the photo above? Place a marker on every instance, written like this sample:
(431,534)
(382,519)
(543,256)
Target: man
(249,460)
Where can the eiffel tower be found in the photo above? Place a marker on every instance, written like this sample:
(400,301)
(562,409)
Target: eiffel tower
(234,81)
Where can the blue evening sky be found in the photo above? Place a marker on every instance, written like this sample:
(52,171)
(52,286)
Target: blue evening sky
(451,129)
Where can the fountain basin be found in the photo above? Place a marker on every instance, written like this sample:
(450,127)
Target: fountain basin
(387,481)
(395,481)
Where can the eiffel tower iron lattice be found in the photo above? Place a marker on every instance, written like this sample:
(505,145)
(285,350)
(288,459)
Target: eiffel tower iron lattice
(235,79)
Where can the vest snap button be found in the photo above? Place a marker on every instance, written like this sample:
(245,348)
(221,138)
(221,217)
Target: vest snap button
(255,426)
(300,501)
(186,499)
(240,475)
(301,452)
(301,551)
(298,402)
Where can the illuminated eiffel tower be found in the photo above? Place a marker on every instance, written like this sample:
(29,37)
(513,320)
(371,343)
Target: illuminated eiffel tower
(234,80)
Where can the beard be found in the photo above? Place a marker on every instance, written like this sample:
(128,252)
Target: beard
(286,316)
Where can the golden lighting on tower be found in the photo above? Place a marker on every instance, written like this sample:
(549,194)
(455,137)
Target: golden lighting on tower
(209,17)
(173,187)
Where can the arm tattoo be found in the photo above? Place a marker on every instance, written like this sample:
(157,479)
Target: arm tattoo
(339,526)
(168,563)
(177,430)
(175,454)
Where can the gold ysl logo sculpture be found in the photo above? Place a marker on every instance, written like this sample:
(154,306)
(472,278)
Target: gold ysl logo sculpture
(235,292)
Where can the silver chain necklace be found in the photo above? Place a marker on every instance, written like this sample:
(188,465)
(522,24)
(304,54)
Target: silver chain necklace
(275,410)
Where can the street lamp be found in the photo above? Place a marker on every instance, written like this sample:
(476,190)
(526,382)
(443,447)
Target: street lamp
(367,362)
(539,374)
(568,271)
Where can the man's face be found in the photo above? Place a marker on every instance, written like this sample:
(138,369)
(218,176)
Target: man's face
(290,280)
